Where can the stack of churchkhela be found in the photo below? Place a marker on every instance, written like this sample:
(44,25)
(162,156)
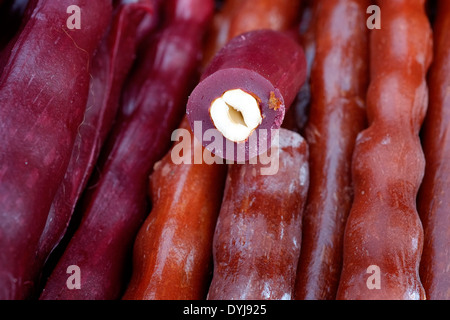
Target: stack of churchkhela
(115,206)
(245,216)
(42,102)
(224,150)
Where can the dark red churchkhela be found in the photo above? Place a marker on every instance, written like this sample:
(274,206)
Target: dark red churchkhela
(239,16)
(110,67)
(434,195)
(258,233)
(267,64)
(383,238)
(172,255)
(186,199)
(43,93)
(339,80)
(152,106)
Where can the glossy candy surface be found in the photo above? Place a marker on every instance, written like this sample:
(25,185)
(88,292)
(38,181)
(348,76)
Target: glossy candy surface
(339,79)
(384,237)
(42,102)
(110,67)
(258,233)
(152,106)
(267,64)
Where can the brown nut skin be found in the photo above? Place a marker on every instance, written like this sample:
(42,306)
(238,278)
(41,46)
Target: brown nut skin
(172,257)
(434,193)
(383,228)
(258,233)
(339,80)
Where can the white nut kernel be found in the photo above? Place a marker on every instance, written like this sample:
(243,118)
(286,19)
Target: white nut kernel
(236,114)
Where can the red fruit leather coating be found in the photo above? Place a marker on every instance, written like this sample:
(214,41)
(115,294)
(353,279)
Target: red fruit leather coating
(258,233)
(337,114)
(264,14)
(110,67)
(152,107)
(434,195)
(43,93)
(383,228)
(217,34)
(172,257)
(240,16)
(261,62)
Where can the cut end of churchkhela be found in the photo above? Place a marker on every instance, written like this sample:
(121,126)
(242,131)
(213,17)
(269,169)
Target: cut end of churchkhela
(244,94)
(236,114)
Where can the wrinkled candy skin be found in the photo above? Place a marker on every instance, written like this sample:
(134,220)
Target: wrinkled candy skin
(434,196)
(152,106)
(339,80)
(268,64)
(42,102)
(258,233)
(383,228)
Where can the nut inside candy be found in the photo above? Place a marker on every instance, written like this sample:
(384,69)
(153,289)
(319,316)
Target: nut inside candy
(236,114)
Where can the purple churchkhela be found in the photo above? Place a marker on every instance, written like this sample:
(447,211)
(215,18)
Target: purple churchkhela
(268,65)
(115,205)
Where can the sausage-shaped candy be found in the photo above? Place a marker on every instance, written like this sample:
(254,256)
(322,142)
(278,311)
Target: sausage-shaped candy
(110,67)
(339,80)
(12,16)
(247,87)
(241,16)
(384,236)
(115,207)
(258,233)
(172,257)
(44,87)
(434,193)
(189,219)
(264,14)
